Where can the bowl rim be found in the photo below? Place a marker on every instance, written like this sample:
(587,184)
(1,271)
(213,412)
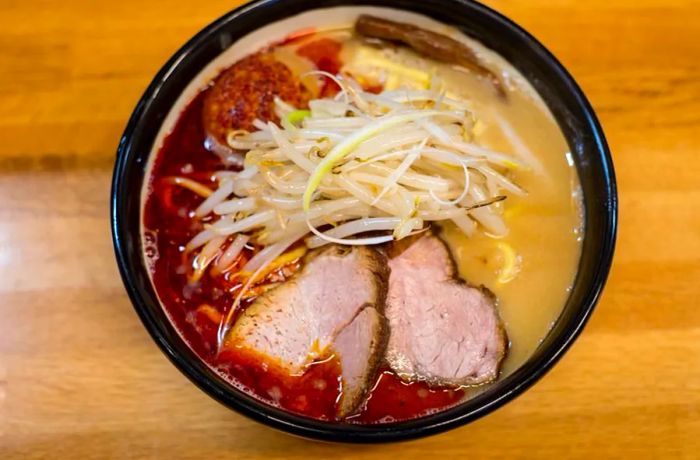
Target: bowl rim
(520,380)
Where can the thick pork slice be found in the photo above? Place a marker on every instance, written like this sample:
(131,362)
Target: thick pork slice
(441,329)
(360,346)
(335,301)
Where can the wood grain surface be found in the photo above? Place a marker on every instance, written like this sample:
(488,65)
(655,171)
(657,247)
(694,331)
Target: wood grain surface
(81,379)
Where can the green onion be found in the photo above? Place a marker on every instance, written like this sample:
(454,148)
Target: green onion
(294,117)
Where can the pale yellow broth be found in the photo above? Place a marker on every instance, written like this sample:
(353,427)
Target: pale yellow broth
(544,227)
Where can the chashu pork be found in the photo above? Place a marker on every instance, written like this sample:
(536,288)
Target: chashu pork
(334,303)
(442,330)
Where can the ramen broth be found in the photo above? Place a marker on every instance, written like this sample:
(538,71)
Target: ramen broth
(545,231)
(530,270)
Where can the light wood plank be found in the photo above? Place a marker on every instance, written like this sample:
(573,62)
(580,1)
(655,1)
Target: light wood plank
(79,376)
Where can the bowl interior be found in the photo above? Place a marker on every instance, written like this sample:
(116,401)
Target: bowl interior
(192,64)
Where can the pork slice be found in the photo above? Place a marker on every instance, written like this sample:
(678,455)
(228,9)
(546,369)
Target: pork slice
(442,330)
(333,303)
(360,347)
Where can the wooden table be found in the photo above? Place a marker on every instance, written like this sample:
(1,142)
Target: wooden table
(81,379)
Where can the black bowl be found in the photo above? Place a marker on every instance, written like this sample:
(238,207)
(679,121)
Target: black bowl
(556,87)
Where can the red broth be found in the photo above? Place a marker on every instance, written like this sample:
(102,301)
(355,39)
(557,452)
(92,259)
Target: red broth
(197,308)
